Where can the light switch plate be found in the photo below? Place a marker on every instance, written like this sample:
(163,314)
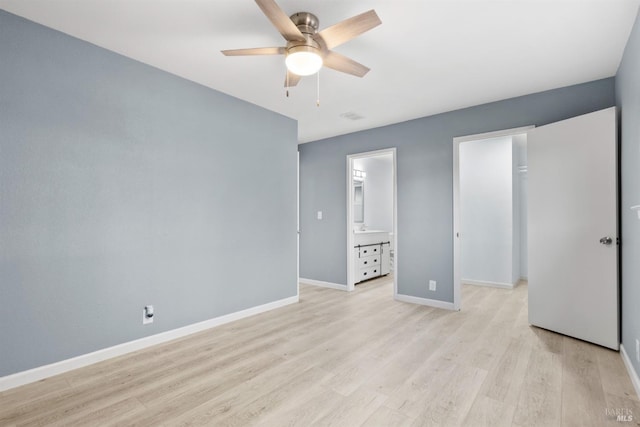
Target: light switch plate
(432,285)
(319,214)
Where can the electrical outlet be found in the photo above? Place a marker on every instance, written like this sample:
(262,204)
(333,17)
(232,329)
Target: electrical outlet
(319,216)
(432,285)
(147,314)
(637,350)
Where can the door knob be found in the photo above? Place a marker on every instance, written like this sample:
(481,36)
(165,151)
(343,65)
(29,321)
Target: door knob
(606,240)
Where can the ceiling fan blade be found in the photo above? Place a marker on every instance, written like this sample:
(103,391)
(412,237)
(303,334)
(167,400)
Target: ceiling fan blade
(255,51)
(291,79)
(338,62)
(344,31)
(280,20)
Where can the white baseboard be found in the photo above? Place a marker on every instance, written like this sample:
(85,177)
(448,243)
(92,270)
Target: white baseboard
(489,284)
(41,372)
(635,380)
(323,284)
(424,301)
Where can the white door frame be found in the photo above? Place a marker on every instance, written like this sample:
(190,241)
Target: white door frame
(298,224)
(457,303)
(350,240)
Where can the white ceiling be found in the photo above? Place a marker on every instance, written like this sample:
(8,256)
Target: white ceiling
(427,57)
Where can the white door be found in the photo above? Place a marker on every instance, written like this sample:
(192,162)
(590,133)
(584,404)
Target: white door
(573,251)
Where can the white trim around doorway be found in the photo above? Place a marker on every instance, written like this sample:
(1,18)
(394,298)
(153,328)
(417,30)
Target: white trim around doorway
(350,240)
(457,297)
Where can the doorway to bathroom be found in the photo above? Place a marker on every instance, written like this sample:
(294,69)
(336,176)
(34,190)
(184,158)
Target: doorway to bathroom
(372,218)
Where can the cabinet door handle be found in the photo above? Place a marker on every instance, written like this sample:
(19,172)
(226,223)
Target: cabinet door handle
(375,271)
(365,273)
(366,262)
(375,260)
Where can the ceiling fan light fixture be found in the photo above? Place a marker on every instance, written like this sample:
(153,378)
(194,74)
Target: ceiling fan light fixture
(303,60)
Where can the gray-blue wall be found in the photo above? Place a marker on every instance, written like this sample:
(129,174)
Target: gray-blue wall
(122,185)
(425,183)
(628,99)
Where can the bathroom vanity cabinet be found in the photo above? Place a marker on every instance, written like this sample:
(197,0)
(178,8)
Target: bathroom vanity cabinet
(371,255)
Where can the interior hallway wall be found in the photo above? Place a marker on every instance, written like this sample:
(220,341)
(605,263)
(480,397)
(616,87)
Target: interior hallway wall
(488,248)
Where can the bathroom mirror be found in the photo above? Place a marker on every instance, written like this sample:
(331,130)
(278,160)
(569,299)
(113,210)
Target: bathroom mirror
(358,201)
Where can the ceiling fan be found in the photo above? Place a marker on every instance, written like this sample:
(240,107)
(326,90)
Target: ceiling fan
(307,50)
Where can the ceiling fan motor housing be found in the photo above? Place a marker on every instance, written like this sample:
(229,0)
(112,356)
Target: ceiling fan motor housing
(308,25)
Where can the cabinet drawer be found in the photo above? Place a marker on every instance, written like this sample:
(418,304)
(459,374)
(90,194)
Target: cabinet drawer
(368,261)
(368,273)
(369,250)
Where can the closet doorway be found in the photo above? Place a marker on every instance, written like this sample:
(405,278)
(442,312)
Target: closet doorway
(490,210)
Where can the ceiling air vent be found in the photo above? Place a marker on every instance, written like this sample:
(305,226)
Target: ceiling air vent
(350,115)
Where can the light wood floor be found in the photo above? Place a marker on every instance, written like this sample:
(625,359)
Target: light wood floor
(348,360)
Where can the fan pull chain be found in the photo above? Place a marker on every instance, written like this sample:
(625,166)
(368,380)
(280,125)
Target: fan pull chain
(318,89)
(287,85)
